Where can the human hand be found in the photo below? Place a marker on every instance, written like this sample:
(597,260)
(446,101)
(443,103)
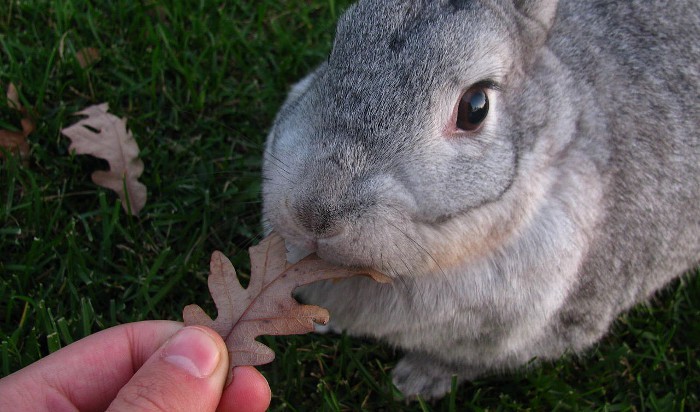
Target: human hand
(151,365)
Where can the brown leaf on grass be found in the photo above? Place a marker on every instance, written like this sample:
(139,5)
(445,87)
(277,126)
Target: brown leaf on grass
(266,307)
(104,135)
(17,141)
(14,142)
(87,56)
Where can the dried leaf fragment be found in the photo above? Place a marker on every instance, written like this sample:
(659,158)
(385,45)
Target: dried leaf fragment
(87,56)
(104,135)
(266,307)
(17,141)
(13,97)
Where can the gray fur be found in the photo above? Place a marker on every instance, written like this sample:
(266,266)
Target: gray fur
(577,199)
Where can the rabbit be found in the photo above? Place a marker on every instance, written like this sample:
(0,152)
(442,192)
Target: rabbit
(524,171)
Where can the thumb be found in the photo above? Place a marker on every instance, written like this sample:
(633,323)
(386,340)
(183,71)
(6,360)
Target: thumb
(186,374)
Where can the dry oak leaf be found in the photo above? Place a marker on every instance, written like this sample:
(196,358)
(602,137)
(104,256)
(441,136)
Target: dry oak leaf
(17,141)
(266,307)
(104,135)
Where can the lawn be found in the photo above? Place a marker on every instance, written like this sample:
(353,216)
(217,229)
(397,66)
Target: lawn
(199,83)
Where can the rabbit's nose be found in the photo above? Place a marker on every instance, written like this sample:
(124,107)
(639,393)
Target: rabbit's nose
(320,218)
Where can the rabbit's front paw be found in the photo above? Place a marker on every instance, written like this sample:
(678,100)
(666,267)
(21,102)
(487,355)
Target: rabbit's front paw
(420,375)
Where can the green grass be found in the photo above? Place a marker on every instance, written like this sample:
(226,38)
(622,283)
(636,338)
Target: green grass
(199,83)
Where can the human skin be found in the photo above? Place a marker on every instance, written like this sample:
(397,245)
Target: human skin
(151,365)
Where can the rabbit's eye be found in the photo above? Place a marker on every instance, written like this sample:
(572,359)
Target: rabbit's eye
(473,108)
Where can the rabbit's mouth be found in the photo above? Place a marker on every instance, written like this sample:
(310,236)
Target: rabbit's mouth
(295,253)
(298,249)
(367,243)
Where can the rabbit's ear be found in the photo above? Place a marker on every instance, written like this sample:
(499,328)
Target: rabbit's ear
(541,11)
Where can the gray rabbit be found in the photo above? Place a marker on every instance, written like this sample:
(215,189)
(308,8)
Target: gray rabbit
(525,171)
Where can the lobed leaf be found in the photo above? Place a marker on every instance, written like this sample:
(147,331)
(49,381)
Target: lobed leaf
(104,135)
(266,307)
